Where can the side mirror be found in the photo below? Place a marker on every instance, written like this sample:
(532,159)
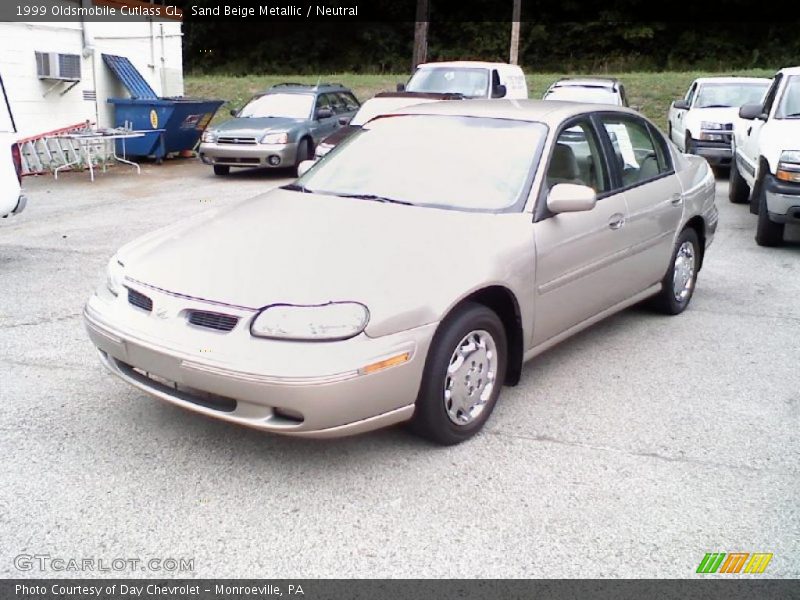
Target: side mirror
(344,120)
(324,113)
(681,104)
(499,91)
(401,87)
(234,112)
(304,166)
(569,197)
(752,111)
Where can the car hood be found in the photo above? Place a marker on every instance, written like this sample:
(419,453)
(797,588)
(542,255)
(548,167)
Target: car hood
(256,125)
(406,264)
(716,115)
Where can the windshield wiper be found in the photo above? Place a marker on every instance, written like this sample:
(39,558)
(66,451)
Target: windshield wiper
(715,106)
(296,187)
(372,197)
(791,115)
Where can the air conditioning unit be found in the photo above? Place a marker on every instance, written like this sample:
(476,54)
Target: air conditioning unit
(53,65)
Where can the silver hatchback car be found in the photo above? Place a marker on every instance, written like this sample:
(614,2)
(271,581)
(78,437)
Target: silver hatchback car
(409,274)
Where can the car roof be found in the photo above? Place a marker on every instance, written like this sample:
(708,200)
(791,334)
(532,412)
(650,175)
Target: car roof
(702,80)
(306,88)
(465,64)
(790,71)
(550,112)
(603,82)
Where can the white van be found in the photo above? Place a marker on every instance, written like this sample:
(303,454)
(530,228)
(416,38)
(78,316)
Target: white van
(12,201)
(471,79)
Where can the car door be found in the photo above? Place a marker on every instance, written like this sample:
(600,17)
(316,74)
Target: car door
(325,119)
(677,125)
(748,157)
(643,172)
(579,266)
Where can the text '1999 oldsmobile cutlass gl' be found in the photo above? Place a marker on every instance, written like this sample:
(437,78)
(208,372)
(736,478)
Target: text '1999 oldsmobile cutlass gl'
(409,274)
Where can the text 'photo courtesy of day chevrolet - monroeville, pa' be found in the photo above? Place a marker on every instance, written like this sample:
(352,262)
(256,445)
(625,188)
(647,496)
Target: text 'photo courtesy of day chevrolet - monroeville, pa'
(399,299)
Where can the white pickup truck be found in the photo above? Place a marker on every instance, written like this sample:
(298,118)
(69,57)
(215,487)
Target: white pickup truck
(701,122)
(766,151)
(12,201)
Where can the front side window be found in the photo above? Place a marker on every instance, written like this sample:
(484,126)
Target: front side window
(724,95)
(635,152)
(465,163)
(789,105)
(690,94)
(473,83)
(292,106)
(576,158)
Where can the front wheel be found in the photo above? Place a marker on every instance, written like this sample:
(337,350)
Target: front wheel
(304,151)
(464,372)
(221,170)
(738,191)
(767,233)
(678,284)
(688,145)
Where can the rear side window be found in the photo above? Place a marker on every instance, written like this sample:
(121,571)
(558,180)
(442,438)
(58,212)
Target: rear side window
(636,154)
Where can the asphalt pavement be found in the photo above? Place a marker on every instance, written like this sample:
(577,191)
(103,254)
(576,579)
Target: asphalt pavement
(630,450)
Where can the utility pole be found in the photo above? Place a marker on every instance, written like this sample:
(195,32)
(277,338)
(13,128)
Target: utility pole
(420,34)
(515,15)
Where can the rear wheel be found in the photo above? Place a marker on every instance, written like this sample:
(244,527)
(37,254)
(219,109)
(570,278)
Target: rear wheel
(738,191)
(221,169)
(678,284)
(464,372)
(767,232)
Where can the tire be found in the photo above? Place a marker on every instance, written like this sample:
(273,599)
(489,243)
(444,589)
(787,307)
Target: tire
(768,233)
(304,152)
(738,190)
(688,145)
(442,415)
(221,170)
(668,301)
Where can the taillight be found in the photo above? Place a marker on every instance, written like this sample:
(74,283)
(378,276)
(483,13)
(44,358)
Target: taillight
(15,153)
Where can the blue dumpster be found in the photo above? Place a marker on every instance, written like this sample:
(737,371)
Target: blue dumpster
(168,124)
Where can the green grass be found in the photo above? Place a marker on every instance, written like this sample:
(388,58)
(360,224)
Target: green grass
(651,92)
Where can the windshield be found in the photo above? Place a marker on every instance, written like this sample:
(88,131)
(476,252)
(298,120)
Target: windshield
(473,83)
(292,106)
(789,106)
(724,95)
(592,95)
(453,162)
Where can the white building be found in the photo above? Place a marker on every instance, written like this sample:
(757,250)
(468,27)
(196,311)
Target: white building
(55,76)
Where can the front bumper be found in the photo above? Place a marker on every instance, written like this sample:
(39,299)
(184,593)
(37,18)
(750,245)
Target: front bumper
(249,155)
(783,200)
(716,153)
(294,388)
(22,202)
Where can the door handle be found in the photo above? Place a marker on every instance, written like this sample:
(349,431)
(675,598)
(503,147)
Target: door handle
(749,129)
(676,199)
(616,221)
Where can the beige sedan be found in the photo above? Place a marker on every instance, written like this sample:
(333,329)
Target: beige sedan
(409,274)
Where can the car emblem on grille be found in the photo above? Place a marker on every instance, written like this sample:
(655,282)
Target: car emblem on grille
(162,313)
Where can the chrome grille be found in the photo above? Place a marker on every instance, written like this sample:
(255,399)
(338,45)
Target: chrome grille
(212,320)
(227,139)
(140,300)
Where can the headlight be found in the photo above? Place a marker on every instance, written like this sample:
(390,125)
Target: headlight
(275,138)
(789,166)
(208,137)
(323,149)
(705,126)
(332,321)
(115,273)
